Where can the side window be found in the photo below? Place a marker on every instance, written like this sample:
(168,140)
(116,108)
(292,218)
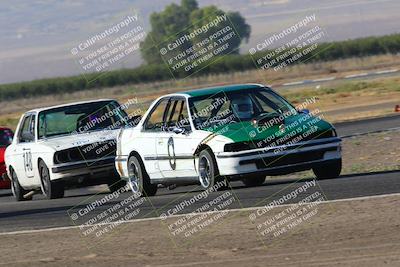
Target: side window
(32,126)
(155,119)
(178,115)
(211,109)
(27,130)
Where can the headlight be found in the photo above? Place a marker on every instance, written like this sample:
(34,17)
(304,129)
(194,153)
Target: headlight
(68,155)
(61,157)
(235,147)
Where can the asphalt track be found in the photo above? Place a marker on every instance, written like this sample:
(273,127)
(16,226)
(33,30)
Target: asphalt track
(41,213)
(368,125)
(329,79)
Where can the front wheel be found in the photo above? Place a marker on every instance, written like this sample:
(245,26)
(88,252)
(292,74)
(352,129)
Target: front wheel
(328,170)
(50,189)
(208,171)
(139,180)
(17,189)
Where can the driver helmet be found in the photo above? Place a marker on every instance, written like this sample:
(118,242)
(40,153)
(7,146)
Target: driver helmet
(242,106)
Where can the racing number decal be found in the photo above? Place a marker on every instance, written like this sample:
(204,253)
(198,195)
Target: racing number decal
(28,166)
(171,154)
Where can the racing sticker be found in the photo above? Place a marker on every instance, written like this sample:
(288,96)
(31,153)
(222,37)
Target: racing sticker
(28,166)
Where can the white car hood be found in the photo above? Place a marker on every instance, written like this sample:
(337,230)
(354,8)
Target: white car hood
(69,141)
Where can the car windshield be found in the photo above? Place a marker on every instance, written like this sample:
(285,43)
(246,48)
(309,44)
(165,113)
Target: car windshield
(237,106)
(81,118)
(6,136)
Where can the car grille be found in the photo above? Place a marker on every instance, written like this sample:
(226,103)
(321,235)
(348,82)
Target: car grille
(263,143)
(92,151)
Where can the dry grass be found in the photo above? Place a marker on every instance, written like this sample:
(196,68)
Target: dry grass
(343,100)
(333,97)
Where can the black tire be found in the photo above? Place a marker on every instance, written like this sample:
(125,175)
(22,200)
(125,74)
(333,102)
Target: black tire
(329,170)
(50,189)
(17,189)
(116,184)
(139,180)
(253,180)
(208,171)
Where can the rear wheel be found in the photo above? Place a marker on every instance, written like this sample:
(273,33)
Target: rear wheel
(253,180)
(139,180)
(51,189)
(17,189)
(208,171)
(329,170)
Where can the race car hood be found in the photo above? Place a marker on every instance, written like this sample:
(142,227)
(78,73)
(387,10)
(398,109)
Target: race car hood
(75,140)
(246,131)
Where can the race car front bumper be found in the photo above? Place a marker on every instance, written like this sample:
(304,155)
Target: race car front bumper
(82,168)
(121,164)
(280,160)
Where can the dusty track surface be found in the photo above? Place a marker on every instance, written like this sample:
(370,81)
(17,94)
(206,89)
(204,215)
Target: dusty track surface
(345,233)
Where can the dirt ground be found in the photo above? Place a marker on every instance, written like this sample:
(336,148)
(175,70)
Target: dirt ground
(362,232)
(373,152)
(366,153)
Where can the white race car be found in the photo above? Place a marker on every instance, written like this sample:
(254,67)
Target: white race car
(62,145)
(242,132)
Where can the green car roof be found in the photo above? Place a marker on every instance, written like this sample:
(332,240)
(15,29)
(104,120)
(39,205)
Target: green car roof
(226,88)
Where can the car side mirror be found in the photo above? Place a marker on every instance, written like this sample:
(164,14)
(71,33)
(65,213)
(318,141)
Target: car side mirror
(27,136)
(305,111)
(176,130)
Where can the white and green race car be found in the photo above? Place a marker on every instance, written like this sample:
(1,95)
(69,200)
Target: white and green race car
(237,132)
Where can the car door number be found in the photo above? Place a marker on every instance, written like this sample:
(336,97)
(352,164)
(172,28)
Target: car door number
(28,166)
